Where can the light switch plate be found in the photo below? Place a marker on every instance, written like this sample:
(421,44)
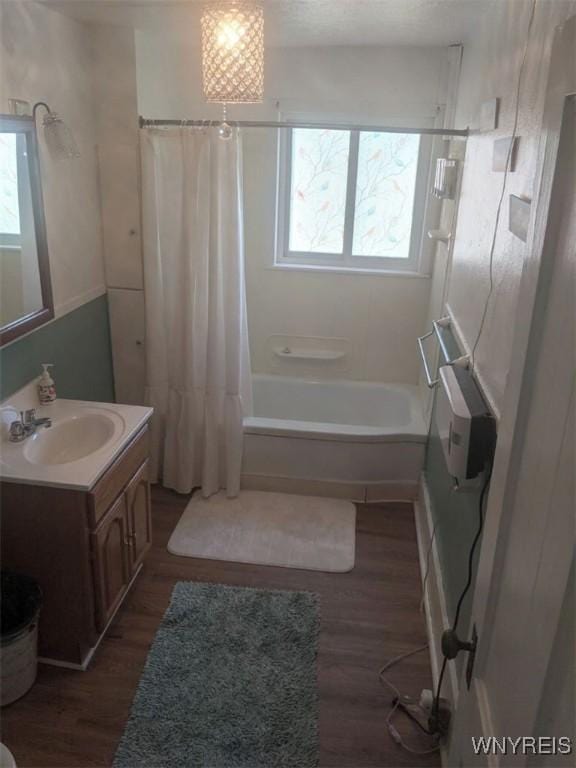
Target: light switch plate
(489,114)
(519,216)
(500,155)
(19,107)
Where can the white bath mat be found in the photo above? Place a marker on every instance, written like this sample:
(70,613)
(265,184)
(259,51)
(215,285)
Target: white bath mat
(269,529)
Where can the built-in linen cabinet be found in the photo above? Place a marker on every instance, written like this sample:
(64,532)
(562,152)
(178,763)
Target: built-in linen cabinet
(84,547)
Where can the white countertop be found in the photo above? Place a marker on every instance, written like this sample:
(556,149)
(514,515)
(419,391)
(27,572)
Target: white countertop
(20,462)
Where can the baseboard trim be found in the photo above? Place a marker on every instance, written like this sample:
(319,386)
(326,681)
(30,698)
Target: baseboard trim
(435,605)
(83,666)
(358,492)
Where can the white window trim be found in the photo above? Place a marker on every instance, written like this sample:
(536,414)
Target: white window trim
(10,241)
(425,216)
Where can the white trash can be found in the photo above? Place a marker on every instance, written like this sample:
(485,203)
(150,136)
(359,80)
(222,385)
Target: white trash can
(6,757)
(21,600)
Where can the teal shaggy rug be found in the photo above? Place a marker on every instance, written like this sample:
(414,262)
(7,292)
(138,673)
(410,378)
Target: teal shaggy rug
(230,682)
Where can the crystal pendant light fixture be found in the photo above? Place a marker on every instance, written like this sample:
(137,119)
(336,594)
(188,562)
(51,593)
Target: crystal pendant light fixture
(233,54)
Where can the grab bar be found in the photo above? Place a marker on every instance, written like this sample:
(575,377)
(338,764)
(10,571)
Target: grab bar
(429,380)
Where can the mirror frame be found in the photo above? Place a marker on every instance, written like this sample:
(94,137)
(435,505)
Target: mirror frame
(31,321)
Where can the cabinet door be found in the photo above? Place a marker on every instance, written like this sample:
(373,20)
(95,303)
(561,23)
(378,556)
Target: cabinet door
(110,547)
(139,517)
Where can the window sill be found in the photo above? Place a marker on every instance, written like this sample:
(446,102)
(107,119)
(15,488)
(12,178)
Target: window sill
(349,271)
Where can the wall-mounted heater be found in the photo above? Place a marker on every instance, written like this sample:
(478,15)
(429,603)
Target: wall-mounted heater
(467,428)
(445,178)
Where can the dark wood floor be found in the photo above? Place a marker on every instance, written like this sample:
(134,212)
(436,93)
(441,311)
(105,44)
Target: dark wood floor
(367,616)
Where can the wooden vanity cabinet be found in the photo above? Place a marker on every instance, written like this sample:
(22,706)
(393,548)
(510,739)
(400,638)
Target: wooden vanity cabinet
(110,558)
(84,548)
(119,544)
(138,508)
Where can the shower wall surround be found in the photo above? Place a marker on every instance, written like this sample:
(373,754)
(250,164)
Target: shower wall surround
(379,316)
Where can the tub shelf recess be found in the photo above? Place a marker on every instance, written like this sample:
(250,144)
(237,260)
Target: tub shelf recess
(437,327)
(308,354)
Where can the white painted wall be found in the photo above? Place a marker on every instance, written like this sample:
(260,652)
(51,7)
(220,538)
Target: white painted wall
(47,57)
(381,81)
(489,69)
(381,316)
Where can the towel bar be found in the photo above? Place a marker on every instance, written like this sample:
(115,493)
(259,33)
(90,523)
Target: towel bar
(437,326)
(429,380)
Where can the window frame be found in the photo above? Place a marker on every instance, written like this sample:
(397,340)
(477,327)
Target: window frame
(420,251)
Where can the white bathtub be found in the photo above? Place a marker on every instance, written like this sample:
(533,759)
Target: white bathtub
(349,439)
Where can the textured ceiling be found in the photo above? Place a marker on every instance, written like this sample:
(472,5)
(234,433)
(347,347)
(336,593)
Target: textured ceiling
(307,22)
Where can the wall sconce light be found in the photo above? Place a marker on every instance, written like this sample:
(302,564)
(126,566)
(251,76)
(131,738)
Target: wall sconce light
(59,138)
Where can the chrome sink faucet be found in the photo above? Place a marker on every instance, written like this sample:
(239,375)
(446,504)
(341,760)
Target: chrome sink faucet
(26,425)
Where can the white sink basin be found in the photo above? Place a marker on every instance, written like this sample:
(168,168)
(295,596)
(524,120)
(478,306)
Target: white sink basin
(71,439)
(84,439)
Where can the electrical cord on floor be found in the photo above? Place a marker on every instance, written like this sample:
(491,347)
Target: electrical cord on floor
(427,571)
(403,703)
(436,703)
(407,710)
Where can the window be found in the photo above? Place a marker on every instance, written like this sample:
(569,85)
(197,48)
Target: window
(352,199)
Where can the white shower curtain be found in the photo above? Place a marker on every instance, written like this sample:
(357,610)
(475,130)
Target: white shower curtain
(197,358)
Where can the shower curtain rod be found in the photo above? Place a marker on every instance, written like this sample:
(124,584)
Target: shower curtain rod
(144,123)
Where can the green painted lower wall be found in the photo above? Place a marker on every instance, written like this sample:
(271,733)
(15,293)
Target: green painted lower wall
(454,514)
(79,346)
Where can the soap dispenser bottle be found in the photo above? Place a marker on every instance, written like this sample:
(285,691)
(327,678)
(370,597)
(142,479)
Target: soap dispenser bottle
(46,388)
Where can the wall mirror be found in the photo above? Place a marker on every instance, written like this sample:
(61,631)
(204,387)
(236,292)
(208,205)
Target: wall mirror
(25,289)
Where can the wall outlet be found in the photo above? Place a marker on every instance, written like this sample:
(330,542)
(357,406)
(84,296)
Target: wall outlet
(426,700)
(438,718)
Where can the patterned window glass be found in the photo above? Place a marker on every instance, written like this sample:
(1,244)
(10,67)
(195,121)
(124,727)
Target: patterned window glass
(385,185)
(9,209)
(318,190)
